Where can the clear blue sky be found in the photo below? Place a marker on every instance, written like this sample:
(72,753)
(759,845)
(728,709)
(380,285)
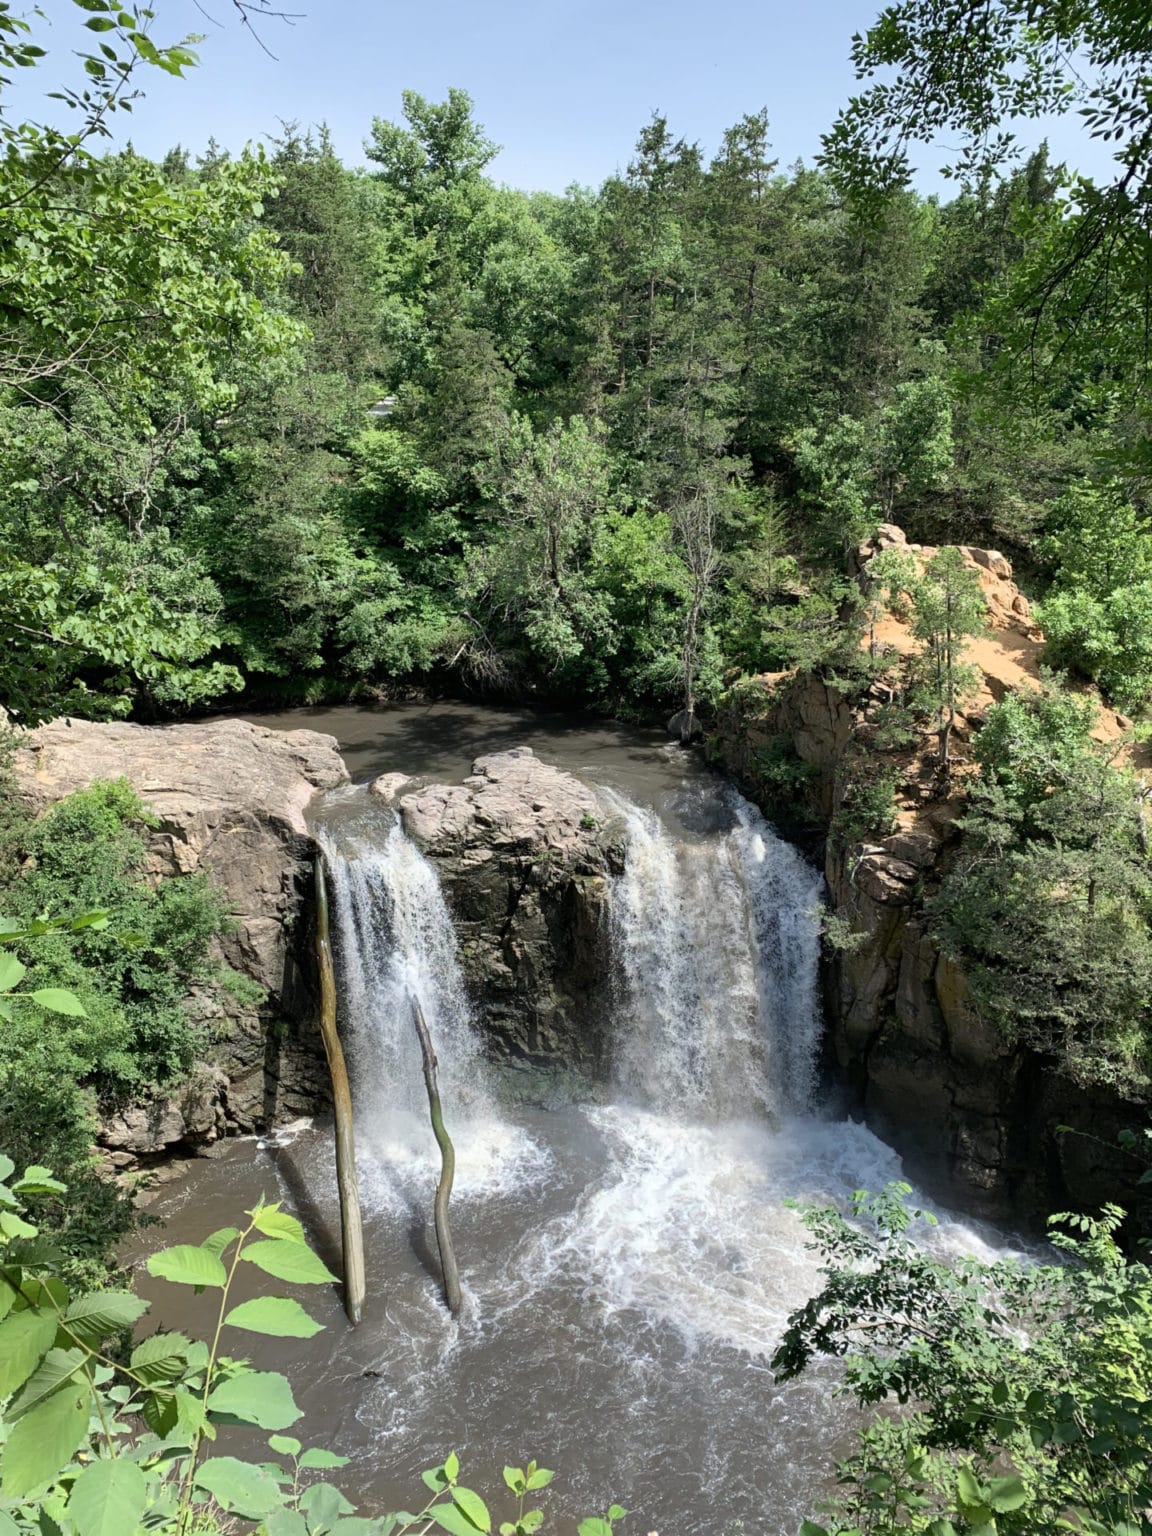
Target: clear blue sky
(563,86)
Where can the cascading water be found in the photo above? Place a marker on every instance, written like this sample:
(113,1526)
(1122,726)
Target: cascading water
(629,1258)
(395,943)
(717,941)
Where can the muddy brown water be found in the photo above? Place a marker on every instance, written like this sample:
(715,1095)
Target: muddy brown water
(628,1265)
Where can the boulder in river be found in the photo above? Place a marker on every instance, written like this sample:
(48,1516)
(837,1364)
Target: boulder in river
(524,852)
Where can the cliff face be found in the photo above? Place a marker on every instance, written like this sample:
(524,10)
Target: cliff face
(523,851)
(976,1117)
(229,799)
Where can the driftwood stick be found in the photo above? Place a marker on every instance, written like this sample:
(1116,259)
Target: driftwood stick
(351,1229)
(447,1164)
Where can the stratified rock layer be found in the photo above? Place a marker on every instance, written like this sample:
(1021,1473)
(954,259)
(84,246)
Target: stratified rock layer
(229,799)
(524,851)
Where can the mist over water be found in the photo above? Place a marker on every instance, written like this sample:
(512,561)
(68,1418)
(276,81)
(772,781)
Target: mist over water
(627,1255)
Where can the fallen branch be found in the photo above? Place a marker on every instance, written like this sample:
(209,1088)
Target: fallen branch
(351,1229)
(447,1164)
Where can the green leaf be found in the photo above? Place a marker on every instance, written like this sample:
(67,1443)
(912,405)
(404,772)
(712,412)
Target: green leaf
(616,1512)
(188,1264)
(274,1222)
(256,1397)
(452,1519)
(7,1166)
(108,1498)
(1005,1494)
(323,1504)
(286,1522)
(44,1441)
(24,1338)
(162,1356)
(968,1489)
(57,1000)
(288,1261)
(540,1479)
(38,1181)
(451,1466)
(93,1317)
(474,1507)
(220,1240)
(57,1367)
(246,1490)
(315,1458)
(11,975)
(514,1477)
(276,1315)
(284,1445)
(594,1526)
(809,1529)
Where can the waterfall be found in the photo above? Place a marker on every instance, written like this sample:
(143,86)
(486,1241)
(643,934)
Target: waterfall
(395,941)
(717,941)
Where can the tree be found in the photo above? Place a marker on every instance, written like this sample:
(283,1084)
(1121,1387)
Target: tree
(1076,309)
(695,529)
(948,610)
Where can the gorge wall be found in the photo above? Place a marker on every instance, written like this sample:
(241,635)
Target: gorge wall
(976,1117)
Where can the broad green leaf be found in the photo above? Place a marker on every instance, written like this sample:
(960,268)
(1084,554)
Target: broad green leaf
(594,1526)
(324,1504)
(57,1000)
(967,1488)
(93,1317)
(474,1507)
(284,1445)
(246,1490)
(220,1240)
(286,1522)
(24,1338)
(7,1166)
(11,975)
(273,1222)
(514,1477)
(44,1441)
(188,1264)
(541,1478)
(57,1366)
(1006,1494)
(315,1458)
(160,1356)
(288,1261)
(451,1466)
(263,1398)
(108,1498)
(455,1521)
(38,1181)
(277,1315)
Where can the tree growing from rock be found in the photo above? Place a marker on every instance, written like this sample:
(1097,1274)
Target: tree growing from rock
(948,610)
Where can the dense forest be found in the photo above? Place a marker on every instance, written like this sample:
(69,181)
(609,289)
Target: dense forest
(278,430)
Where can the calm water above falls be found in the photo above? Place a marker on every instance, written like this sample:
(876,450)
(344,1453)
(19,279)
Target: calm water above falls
(627,1257)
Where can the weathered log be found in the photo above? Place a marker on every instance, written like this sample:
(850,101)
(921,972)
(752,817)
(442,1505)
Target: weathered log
(447,1164)
(351,1227)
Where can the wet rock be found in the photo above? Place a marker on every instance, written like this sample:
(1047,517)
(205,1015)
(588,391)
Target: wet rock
(524,852)
(888,881)
(390,786)
(683,729)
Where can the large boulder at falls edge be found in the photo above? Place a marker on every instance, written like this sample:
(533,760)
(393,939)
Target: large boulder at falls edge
(524,852)
(229,798)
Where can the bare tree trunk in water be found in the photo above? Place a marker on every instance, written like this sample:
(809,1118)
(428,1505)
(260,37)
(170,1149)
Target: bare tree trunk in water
(447,1165)
(351,1230)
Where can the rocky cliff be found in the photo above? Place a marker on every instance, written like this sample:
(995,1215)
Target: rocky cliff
(229,798)
(976,1117)
(524,851)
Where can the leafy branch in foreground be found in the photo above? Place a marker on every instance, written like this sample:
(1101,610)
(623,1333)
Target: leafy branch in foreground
(1031,1384)
(102,1435)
